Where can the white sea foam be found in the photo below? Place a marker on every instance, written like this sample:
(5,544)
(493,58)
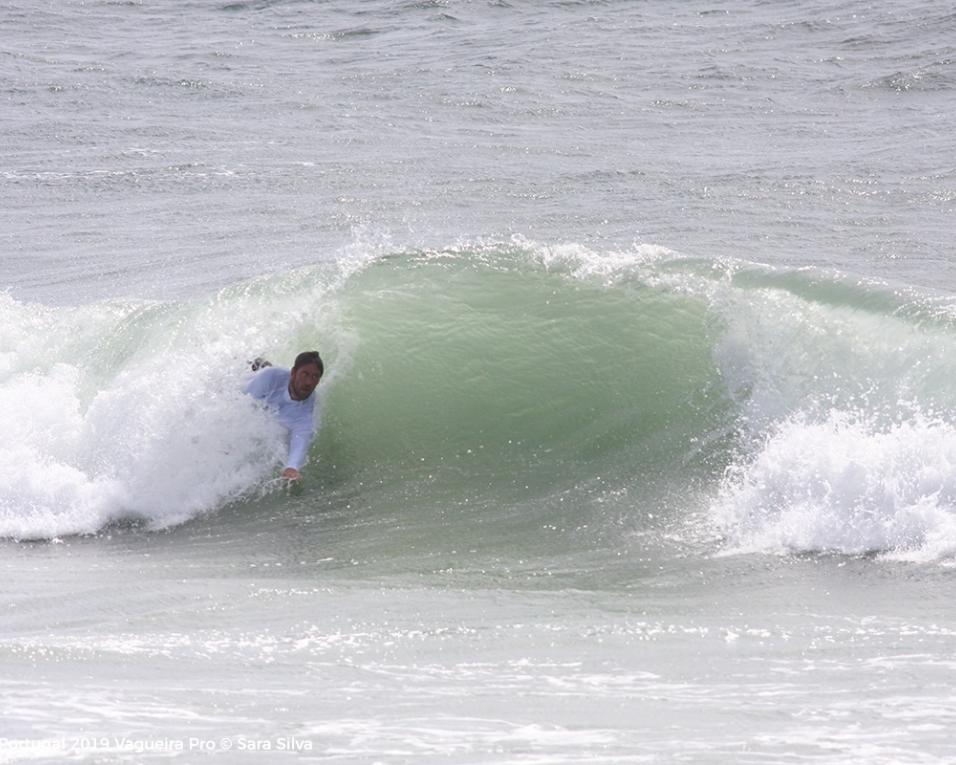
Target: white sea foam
(161,448)
(848,485)
(135,410)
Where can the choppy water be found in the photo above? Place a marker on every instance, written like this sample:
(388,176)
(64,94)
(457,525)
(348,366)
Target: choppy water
(637,440)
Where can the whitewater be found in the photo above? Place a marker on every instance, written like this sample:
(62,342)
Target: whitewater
(637,438)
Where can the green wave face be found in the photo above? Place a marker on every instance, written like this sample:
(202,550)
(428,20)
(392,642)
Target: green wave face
(500,391)
(485,372)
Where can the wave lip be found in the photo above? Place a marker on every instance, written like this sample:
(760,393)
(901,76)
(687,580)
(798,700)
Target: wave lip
(845,484)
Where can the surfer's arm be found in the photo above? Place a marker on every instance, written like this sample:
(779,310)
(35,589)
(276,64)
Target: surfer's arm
(300,437)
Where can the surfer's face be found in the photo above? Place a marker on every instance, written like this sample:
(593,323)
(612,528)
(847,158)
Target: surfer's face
(303,382)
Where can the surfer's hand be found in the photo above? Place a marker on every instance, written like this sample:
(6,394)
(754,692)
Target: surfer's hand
(291,474)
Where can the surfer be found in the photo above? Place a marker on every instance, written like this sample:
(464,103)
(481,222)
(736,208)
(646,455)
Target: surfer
(290,394)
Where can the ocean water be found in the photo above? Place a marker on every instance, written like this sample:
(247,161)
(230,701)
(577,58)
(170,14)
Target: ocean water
(637,440)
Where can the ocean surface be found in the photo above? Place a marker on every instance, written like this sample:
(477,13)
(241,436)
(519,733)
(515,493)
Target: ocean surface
(637,442)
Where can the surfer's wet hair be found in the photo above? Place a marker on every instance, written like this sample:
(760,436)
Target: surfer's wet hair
(309,357)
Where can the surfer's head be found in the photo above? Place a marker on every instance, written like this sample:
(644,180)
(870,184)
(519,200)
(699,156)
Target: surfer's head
(306,373)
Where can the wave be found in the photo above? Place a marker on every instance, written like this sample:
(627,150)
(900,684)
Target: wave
(779,409)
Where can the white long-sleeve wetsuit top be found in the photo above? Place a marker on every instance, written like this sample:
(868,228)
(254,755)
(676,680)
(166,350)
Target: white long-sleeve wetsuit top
(271,385)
